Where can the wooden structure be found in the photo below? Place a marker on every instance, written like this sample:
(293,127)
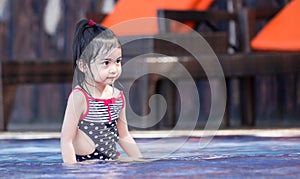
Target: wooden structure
(238,65)
(244,65)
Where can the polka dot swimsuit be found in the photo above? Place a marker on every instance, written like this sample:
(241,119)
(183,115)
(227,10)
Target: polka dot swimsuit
(100,124)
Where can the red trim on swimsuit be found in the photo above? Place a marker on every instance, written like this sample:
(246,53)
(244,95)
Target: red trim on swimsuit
(106,102)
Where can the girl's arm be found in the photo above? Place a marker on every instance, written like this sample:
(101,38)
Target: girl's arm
(73,112)
(125,139)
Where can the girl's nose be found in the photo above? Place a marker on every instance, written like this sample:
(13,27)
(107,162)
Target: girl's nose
(113,69)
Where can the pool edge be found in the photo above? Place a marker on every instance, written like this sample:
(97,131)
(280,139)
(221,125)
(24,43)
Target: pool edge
(287,132)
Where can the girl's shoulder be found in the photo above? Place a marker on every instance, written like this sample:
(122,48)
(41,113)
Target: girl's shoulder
(78,100)
(78,94)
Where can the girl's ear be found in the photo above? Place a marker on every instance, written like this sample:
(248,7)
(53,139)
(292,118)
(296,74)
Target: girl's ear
(81,65)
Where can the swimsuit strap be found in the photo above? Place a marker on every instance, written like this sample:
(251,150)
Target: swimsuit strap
(123,98)
(87,101)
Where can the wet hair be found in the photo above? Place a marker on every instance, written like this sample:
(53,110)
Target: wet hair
(90,41)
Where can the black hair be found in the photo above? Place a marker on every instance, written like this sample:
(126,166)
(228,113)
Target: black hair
(91,40)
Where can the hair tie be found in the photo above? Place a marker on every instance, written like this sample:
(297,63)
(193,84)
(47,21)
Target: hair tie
(92,23)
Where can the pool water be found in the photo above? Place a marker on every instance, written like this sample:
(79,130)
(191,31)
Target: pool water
(223,157)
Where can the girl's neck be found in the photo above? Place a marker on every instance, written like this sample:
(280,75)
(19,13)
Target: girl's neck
(102,91)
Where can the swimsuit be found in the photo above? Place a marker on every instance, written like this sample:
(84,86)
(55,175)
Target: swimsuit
(100,124)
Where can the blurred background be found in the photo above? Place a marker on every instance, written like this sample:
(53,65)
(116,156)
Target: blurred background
(35,30)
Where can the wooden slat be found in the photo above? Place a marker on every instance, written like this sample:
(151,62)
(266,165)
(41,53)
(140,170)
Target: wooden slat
(196,16)
(238,65)
(263,13)
(252,64)
(15,72)
(255,64)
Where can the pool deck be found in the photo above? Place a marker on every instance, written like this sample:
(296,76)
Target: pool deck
(287,132)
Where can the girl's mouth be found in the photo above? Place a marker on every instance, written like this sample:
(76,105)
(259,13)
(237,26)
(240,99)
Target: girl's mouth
(111,78)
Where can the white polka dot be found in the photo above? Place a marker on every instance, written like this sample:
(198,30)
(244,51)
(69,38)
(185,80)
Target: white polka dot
(106,143)
(85,127)
(97,145)
(96,153)
(102,149)
(96,137)
(92,124)
(96,128)
(101,157)
(91,132)
(101,132)
(101,140)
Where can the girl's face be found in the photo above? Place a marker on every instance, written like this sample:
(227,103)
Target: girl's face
(108,69)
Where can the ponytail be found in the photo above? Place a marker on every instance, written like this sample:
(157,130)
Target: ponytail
(86,31)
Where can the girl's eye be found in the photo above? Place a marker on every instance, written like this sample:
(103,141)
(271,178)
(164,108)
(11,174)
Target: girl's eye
(118,61)
(105,63)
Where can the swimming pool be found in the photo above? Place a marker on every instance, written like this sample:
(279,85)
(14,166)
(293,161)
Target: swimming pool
(230,156)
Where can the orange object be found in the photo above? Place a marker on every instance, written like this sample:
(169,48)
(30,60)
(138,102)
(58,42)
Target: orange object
(139,17)
(203,4)
(282,33)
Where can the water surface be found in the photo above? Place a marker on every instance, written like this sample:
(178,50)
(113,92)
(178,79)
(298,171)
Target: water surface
(224,157)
